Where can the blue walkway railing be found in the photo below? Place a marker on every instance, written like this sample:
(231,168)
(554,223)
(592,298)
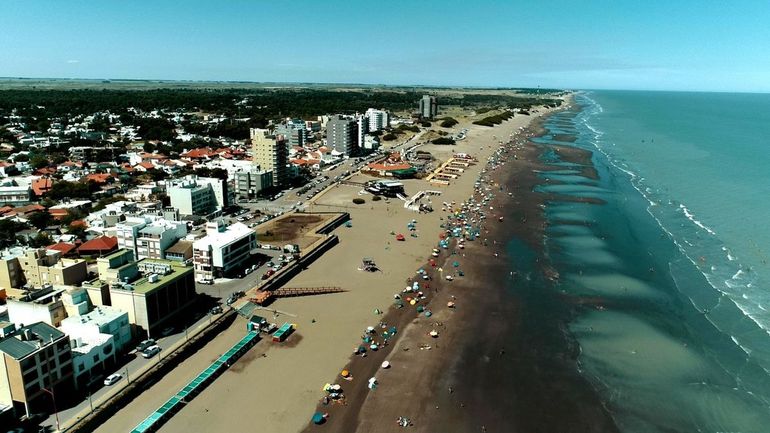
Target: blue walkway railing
(170,407)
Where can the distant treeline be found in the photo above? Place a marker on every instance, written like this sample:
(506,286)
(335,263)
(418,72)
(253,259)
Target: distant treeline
(259,104)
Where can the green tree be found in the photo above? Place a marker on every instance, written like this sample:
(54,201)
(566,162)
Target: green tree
(8,231)
(39,161)
(40,220)
(41,240)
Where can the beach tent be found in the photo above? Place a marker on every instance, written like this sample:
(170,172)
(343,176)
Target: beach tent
(400,237)
(318,418)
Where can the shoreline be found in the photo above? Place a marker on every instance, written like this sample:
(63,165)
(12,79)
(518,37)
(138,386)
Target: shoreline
(348,416)
(432,387)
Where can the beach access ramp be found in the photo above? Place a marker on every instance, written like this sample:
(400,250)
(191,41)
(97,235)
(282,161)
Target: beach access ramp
(201,381)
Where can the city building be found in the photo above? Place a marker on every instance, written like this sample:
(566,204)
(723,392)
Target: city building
(100,320)
(342,135)
(201,196)
(15,195)
(181,251)
(34,267)
(117,267)
(362,127)
(158,291)
(43,305)
(377,120)
(428,107)
(249,182)
(223,250)
(92,355)
(149,237)
(270,153)
(294,133)
(35,366)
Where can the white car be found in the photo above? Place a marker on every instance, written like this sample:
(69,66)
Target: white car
(150,352)
(113,379)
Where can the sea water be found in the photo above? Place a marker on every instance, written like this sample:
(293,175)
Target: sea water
(670,264)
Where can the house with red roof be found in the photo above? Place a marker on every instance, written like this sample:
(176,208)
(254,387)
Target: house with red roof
(150,157)
(144,166)
(41,186)
(100,178)
(45,171)
(25,210)
(65,248)
(99,246)
(199,154)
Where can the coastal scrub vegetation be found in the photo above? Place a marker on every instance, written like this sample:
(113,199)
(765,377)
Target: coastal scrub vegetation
(495,119)
(448,122)
(443,140)
(389,136)
(405,127)
(359,200)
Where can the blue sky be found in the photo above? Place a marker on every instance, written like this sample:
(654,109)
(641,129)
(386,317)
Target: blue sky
(656,44)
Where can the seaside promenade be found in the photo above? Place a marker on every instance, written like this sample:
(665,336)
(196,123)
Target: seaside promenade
(276,387)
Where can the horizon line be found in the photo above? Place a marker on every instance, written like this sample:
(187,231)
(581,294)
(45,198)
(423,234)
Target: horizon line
(427,86)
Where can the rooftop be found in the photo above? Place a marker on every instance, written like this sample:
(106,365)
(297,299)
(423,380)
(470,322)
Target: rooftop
(71,204)
(143,285)
(15,347)
(180,247)
(232,233)
(98,316)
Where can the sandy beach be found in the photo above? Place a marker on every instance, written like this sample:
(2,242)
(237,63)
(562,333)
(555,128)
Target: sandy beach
(490,369)
(276,387)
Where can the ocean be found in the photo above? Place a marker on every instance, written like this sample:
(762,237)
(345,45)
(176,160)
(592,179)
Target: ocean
(665,255)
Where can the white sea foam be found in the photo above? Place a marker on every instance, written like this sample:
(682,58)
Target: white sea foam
(750,307)
(690,216)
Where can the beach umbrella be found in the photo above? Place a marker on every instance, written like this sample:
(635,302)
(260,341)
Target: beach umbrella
(412,302)
(336,387)
(370,329)
(385,364)
(344,373)
(318,418)
(433,333)
(456,264)
(420,309)
(428,314)
(392,330)
(374,347)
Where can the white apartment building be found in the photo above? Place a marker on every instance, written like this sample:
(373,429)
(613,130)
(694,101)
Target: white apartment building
(100,320)
(15,195)
(378,119)
(223,250)
(201,196)
(149,237)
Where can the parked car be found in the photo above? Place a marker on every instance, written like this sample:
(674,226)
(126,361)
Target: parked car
(144,345)
(150,352)
(207,281)
(216,310)
(113,379)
